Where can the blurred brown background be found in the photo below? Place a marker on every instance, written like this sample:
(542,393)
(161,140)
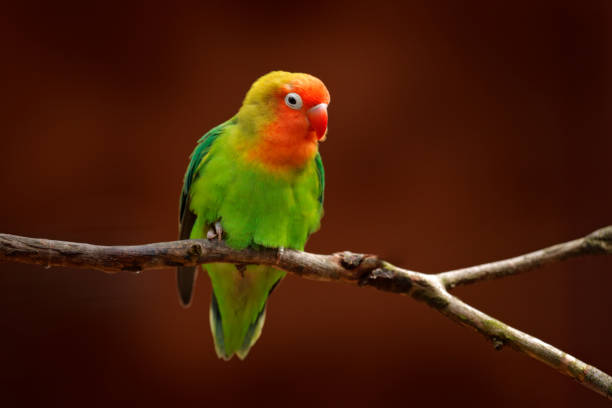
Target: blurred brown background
(460,133)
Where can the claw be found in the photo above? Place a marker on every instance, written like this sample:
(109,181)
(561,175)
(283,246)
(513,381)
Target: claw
(219,230)
(215,231)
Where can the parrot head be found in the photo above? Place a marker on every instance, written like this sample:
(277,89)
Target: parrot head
(288,113)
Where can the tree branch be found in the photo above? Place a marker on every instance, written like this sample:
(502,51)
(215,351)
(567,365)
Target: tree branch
(357,269)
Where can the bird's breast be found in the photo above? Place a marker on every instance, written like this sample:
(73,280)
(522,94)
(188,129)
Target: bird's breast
(282,147)
(256,206)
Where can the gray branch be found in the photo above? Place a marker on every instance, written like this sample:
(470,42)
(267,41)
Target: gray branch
(348,267)
(598,242)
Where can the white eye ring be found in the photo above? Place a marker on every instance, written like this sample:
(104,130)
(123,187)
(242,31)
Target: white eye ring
(293,100)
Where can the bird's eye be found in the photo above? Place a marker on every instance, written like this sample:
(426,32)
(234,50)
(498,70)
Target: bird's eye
(293,100)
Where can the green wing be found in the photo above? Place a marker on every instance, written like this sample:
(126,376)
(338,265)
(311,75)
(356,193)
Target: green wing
(186,275)
(195,165)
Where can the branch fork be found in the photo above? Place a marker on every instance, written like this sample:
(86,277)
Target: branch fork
(348,267)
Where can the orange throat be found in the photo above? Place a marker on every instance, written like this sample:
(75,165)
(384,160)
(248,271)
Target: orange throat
(281,148)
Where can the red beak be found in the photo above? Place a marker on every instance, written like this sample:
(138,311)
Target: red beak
(317,116)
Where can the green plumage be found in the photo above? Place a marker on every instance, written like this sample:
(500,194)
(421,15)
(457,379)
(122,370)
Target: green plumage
(256,207)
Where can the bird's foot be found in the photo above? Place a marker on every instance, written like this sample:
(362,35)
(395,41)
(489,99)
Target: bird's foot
(215,231)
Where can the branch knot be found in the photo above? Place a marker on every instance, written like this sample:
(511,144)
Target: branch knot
(350,260)
(194,251)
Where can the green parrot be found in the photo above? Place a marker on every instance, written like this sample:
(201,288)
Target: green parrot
(256,180)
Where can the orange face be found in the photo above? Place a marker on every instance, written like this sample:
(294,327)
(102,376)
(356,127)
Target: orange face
(304,98)
(291,139)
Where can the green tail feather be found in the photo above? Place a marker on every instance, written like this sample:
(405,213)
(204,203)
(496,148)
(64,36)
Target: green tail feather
(238,306)
(252,334)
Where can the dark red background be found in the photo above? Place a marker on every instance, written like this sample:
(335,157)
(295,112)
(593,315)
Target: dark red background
(460,133)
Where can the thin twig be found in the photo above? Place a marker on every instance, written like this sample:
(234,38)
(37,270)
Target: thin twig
(358,269)
(598,242)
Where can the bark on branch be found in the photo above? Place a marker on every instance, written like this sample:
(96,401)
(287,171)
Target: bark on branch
(357,269)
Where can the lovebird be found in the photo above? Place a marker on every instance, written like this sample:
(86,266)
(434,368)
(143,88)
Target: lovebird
(256,180)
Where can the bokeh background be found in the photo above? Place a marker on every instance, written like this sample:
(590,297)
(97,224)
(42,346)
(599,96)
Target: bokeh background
(460,133)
